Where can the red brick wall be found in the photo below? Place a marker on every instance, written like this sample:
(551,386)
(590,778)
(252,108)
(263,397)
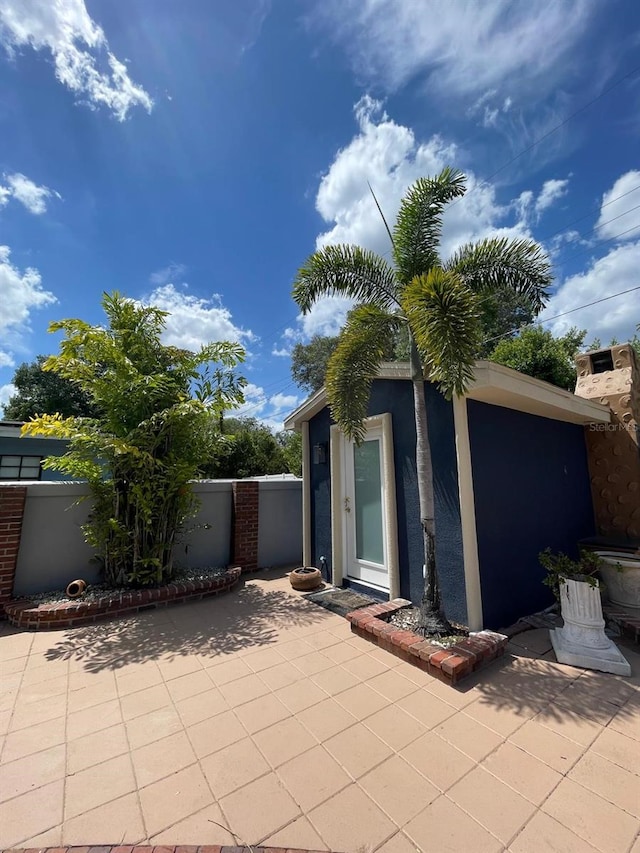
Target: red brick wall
(245,524)
(12,500)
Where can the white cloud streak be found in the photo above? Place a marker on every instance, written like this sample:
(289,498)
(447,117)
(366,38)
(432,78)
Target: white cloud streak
(551,191)
(6,391)
(615,272)
(22,293)
(463,48)
(194,320)
(82,59)
(627,186)
(28,193)
(169,274)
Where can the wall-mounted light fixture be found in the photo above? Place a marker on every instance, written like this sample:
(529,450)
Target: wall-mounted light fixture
(320,454)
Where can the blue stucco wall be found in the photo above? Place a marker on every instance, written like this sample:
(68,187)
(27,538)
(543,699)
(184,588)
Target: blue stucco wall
(396,397)
(532,491)
(10,446)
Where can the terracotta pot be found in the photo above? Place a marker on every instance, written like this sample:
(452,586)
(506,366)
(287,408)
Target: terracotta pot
(305,578)
(76,588)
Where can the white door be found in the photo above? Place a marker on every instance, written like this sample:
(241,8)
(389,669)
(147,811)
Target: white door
(366,548)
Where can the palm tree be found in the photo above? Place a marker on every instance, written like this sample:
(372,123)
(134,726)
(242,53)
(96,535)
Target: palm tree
(437,303)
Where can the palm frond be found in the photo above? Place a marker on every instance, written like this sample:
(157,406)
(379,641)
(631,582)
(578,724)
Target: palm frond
(345,271)
(499,263)
(416,234)
(443,318)
(363,344)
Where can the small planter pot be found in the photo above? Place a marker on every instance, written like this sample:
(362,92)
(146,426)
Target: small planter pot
(305,578)
(582,641)
(76,588)
(622,577)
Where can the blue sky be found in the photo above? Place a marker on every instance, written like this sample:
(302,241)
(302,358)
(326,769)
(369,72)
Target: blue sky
(192,154)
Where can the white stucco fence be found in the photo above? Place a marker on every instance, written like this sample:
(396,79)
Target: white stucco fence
(53,551)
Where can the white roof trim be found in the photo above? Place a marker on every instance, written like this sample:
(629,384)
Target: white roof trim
(495,384)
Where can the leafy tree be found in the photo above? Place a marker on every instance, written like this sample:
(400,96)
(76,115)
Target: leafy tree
(634,341)
(250,450)
(154,405)
(500,314)
(40,392)
(309,362)
(536,352)
(438,302)
(291,444)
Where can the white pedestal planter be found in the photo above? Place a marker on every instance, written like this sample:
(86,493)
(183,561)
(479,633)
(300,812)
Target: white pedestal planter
(621,574)
(582,641)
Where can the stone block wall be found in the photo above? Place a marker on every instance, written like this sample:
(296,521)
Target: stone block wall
(614,448)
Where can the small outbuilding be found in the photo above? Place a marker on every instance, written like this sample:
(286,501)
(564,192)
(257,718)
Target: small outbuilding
(511,478)
(21,457)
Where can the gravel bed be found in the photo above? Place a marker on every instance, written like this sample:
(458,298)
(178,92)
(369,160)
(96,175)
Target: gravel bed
(407,619)
(95,591)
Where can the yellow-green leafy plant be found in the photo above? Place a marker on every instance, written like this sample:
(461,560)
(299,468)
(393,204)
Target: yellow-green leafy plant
(155,406)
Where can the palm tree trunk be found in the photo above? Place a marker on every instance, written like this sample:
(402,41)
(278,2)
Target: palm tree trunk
(432,619)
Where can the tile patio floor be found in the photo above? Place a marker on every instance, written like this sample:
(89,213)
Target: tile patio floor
(263,713)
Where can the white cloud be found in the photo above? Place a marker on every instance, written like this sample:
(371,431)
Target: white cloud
(6,391)
(326,317)
(615,272)
(283,352)
(195,321)
(255,401)
(22,292)
(389,157)
(551,191)
(24,190)
(269,411)
(531,207)
(463,48)
(283,402)
(169,274)
(7,359)
(628,186)
(82,58)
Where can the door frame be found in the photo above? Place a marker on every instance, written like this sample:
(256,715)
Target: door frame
(340,519)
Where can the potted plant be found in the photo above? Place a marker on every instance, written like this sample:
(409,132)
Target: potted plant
(582,640)
(621,572)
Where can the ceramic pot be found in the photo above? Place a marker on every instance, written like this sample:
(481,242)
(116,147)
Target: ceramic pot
(76,588)
(305,578)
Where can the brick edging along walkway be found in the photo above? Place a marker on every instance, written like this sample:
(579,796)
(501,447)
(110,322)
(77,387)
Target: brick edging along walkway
(67,614)
(449,665)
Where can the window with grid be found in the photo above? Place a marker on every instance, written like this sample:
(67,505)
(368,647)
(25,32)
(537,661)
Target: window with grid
(20,467)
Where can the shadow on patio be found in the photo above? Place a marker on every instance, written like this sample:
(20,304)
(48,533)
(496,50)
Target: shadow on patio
(250,616)
(528,685)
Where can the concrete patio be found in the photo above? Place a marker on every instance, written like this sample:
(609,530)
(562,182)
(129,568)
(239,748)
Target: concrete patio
(262,713)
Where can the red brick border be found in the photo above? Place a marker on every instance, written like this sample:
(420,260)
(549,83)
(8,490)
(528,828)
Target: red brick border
(137,848)
(12,500)
(67,614)
(449,665)
(246,499)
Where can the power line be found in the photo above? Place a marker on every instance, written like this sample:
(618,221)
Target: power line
(592,210)
(608,221)
(562,124)
(599,243)
(563,313)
